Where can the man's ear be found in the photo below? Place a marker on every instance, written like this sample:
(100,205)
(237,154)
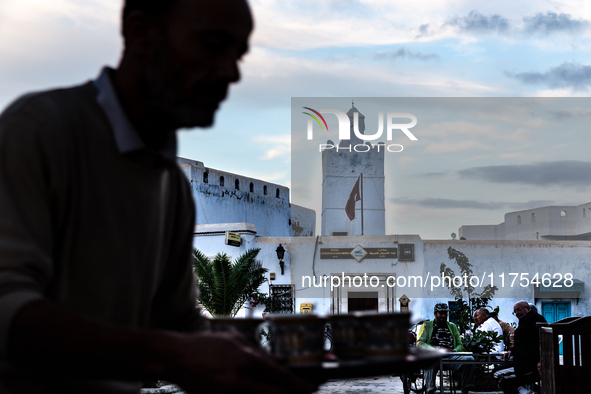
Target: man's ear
(140,34)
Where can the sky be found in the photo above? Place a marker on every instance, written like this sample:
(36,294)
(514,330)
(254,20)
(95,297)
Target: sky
(457,173)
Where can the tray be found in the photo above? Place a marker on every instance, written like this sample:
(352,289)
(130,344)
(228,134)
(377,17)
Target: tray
(416,359)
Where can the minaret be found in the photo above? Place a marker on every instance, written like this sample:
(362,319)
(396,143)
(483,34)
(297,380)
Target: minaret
(340,171)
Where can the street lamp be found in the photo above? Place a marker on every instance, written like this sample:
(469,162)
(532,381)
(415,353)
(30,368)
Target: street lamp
(280,253)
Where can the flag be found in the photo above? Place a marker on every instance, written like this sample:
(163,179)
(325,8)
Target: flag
(353,198)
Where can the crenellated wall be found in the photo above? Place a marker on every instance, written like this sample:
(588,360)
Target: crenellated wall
(224,197)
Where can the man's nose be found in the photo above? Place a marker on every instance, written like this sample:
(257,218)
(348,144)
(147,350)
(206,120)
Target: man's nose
(228,69)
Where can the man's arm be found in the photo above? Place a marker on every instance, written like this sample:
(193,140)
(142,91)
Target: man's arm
(457,339)
(72,346)
(423,337)
(39,335)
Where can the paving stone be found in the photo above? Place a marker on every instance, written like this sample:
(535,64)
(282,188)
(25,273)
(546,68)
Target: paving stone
(383,384)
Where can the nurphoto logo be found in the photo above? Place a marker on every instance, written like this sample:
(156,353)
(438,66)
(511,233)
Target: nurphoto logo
(345,128)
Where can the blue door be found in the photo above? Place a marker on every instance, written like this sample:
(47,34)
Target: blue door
(554,311)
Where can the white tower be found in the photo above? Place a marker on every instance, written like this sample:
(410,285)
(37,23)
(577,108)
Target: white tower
(340,170)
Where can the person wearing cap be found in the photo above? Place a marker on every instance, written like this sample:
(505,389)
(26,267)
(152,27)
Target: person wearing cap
(441,334)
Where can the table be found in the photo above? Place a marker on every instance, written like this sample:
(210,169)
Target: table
(479,359)
(416,359)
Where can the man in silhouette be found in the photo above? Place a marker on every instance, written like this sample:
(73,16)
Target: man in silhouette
(96,284)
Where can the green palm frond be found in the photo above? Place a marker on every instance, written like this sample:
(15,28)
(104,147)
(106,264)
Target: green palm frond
(224,285)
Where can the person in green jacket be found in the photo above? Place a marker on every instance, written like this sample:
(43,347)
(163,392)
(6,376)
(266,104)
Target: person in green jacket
(441,334)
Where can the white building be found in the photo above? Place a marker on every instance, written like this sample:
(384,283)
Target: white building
(527,248)
(559,223)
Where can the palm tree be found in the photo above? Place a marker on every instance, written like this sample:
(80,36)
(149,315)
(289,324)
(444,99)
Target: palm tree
(224,285)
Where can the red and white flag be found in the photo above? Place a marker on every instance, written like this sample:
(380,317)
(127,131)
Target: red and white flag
(353,198)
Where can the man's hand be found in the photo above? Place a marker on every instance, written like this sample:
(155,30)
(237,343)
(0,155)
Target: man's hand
(507,356)
(223,363)
(48,338)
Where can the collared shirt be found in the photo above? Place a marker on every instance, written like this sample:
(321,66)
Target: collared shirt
(126,137)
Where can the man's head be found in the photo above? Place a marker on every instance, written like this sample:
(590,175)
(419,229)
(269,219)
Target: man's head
(520,309)
(481,315)
(182,55)
(440,311)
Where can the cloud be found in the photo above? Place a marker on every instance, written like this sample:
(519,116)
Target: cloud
(476,23)
(424,31)
(551,22)
(281,146)
(567,173)
(447,128)
(569,74)
(450,146)
(445,203)
(432,175)
(571,113)
(403,53)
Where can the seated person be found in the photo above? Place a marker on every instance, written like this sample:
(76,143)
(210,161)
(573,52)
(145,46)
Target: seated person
(487,323)
(508,331)
(441,334)
(513,377)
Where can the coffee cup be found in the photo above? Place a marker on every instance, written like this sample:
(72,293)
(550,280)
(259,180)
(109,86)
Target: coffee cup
(298,339)
(384,335)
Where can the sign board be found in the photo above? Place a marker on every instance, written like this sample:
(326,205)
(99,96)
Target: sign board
(233,239)
(357,252)
(404,300)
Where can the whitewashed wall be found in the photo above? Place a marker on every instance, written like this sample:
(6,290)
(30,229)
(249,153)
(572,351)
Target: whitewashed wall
(499,257)
(303,221)
(303,259)
(340,172)
(544,223)
(225,204)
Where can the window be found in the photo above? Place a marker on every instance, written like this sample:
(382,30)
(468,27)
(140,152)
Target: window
(406,252)
(563,215)
(206,177)
(265,190)
(518,219)
(339,233)
(455,311)
(237,184)
(283,298)
(533,217)
(222,181)
(251,187)
(277,193)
